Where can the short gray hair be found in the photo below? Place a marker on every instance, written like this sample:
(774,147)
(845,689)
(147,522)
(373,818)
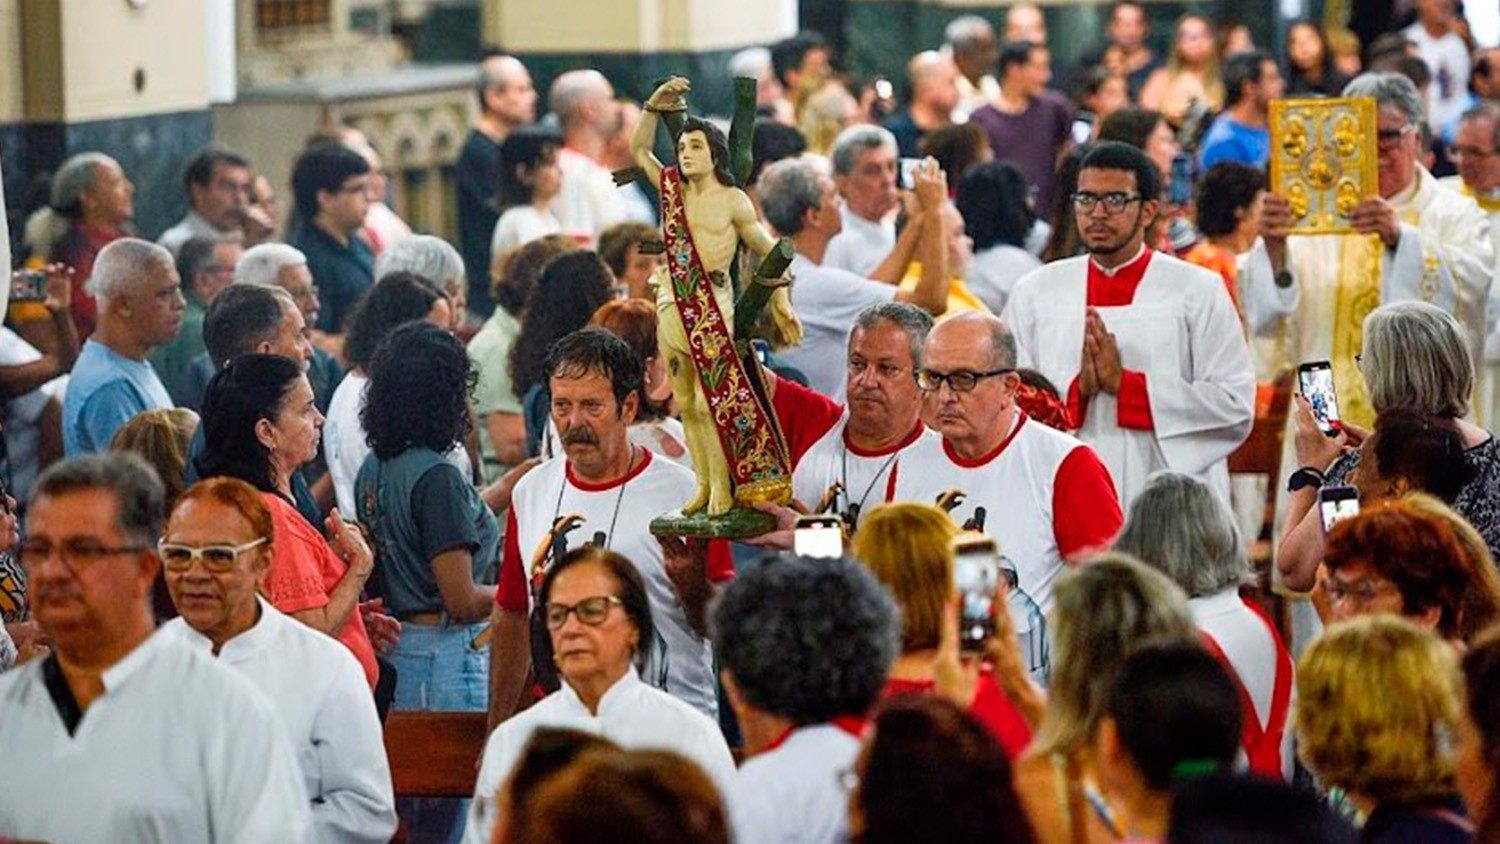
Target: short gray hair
(75,176)
(1416,357)
(263,264)
(967,31)
(430,257)
(136,486)
(788,189)
(1485,110)
(1180,527)
(572,89)
(855,140)
(751,62)
(907,317)
(1390,89)
(126,263)
(1003,352)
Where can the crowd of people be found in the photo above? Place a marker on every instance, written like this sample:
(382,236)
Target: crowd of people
(270,477)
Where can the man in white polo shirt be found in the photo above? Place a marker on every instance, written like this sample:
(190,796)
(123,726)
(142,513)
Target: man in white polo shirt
(843,454)
(122,735)
(614,489)
(1042,495)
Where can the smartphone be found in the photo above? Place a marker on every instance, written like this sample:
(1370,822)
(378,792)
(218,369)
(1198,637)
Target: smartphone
(1182,180)
(906,174)
(28,286)
(1315,383)
(819,535)
(1083,127)
(976,576)
(1336,503)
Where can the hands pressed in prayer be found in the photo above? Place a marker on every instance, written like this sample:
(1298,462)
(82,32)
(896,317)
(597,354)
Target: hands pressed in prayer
(1100,369)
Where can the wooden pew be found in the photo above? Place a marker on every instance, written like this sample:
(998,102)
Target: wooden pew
(433,754)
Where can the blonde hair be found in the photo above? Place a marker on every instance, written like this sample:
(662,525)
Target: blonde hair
(909,548)
(1105,608)
(162,438)
(1378,703)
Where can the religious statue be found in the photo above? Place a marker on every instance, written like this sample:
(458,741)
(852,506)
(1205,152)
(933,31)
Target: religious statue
(739,453)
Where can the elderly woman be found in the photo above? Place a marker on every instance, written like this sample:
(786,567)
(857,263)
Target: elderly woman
(1101,611)
(1379,705)
(1477,756)
(1415,357)
(438,540)
(259,425)
(600,632)
(1397,559)
(1179,527)
(435,260)
(216,550)
(909,548)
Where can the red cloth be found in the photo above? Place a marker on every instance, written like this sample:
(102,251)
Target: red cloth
(1115,291)
(1262,743)
(512,594)
(990,706)
(805,415)
(78,249)
(304,571)
(1086,512)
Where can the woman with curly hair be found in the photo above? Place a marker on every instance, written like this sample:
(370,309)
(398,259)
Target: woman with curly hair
(437,539)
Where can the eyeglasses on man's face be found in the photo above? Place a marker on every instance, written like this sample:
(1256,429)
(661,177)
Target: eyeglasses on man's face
(75,554)
(1114,202)
(961,381)
(216,558)
(591,611)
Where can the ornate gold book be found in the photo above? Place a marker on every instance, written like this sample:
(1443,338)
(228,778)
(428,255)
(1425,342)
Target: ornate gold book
(1323,159)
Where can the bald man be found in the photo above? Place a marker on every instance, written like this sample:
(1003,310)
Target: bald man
(933,78)
(590,116)
(1024,22)
(507,99)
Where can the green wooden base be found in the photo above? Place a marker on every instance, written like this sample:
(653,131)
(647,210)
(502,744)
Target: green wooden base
(738,523)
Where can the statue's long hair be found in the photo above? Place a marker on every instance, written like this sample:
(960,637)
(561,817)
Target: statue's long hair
(718,147)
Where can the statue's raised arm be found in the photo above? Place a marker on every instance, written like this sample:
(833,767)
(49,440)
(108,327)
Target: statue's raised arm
(669,96)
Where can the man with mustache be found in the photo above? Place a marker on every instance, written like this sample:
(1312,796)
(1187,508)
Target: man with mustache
(1157,370)
(844,455)
(605,491)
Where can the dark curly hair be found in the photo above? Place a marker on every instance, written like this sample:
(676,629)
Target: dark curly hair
(572,286)
(248,389)
(398,297)
(1227,187)
(1173,703)
(517,271)
(993,200)
(595,349)
(418,396)
(1427,451)
(934,773)
(807,639)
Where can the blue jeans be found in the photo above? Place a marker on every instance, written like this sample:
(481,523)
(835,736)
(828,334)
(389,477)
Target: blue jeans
(439,669)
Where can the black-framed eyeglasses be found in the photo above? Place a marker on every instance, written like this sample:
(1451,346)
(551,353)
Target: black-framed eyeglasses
(1114,203)
(217,558)
(962,381)
(591,611)
(75,554)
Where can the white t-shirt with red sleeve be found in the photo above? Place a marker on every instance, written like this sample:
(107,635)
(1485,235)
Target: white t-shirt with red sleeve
(1046,497)
(618,515)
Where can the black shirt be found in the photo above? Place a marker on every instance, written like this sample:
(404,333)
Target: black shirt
(477,175)
(908,134)
(343,273)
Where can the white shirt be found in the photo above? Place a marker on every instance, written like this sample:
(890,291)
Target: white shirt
(344,445)
(664,437)
(827,299)
(861,245)
(631,714)
(318,693)
(588,202)
(993,273)
(792,793)
(521,225)
(682,661)
(179,748)
(190,226)
(864,475)
(23,415)
(1248,645)
(1448,58)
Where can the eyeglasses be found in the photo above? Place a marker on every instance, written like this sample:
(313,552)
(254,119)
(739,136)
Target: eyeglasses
(218,558)
(590,611)
(962,381)
(1114,203)
(1387,139)
(1361,593)
(75,554)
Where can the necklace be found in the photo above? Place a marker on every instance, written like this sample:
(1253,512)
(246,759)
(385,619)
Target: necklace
(601,539)
(851,508)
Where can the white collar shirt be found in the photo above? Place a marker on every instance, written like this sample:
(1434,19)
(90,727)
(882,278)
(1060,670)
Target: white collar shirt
(792,793)
(318,693)
(861,245)
(178,748)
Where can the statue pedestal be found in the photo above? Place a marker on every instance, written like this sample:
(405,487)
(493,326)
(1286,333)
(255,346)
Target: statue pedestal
(738,523)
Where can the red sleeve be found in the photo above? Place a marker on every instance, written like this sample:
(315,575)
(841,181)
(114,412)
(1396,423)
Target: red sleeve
(996,711)
(1085,508)
(805,415)
(1078,406)
(293,582)
(1134,410)
(720,563)
(512,595)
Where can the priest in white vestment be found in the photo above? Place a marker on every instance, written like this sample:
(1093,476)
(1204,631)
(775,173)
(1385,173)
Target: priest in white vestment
(1477,148)
(1149,348)
(1415,240)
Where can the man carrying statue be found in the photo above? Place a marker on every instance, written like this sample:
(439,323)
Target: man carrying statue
(732,433)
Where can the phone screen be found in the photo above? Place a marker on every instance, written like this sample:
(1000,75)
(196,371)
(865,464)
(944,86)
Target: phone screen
(818,536)
(976,575)
(1182,180)
(908,172)
(1315,381)
(1337,503)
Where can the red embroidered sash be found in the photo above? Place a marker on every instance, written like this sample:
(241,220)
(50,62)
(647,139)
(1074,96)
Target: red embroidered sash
(753,446)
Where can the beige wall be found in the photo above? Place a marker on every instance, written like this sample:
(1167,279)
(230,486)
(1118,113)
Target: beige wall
(12,92)
(81,58)
(634,26)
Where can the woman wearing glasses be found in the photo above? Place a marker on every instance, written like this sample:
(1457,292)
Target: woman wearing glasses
(216,550)
(600,631)
(259,425)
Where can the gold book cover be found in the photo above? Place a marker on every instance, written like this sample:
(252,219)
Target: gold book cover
(1323,159)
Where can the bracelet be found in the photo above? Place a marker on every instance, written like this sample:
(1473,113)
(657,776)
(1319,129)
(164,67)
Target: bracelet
(1304,477)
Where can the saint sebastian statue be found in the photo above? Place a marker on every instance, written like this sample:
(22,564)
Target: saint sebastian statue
(736,443)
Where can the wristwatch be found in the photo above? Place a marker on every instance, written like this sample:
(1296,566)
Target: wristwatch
(1304,477)
(1283,278)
